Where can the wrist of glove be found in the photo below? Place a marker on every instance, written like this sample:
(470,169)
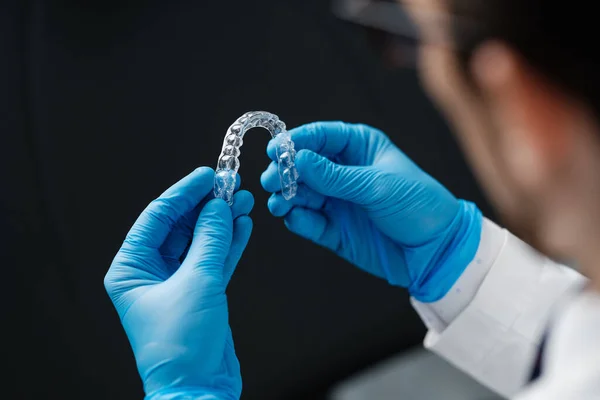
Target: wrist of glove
(436,265)
(192,393)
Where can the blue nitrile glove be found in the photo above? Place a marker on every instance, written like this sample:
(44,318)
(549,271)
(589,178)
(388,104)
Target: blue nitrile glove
(361,197)
(168,283)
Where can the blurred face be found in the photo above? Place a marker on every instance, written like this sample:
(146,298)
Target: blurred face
(533,148)
(446,83)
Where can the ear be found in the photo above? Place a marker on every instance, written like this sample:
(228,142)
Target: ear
(531,115)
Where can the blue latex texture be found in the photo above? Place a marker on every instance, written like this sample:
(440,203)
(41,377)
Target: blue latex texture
(167,283)
(364,199)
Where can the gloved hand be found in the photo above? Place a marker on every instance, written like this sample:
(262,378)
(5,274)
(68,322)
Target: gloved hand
(168,283)
(361,197)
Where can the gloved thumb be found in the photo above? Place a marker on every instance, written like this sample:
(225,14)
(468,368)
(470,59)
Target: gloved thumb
(350,183)
(211,241)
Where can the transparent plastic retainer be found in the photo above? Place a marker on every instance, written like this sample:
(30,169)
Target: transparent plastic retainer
(228,164)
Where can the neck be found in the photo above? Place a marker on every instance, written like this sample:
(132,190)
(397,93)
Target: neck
(589,264)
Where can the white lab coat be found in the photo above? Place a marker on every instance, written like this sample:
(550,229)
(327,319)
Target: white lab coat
(491,322)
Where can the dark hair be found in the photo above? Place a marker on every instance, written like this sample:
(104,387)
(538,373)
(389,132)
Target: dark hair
(559,39)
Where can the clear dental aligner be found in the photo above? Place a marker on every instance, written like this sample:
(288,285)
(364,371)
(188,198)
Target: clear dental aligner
(228,164)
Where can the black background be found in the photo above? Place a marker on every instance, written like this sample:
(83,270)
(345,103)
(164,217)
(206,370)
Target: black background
(104,104)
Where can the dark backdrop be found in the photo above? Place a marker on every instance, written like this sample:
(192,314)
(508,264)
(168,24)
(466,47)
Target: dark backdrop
(104,104)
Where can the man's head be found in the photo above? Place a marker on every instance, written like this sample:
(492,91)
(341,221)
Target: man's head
(523,97)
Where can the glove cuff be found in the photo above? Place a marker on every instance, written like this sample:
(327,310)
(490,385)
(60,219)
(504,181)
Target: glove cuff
(445,258)
(192,393)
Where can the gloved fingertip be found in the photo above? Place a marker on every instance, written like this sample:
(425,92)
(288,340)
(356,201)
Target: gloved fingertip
(305,158)
(308,164)
(243,202)
(278,206)
(307,155)
(204,171)
(242,228)
(272,202)
(264,178)
(244,225)
(215,207)
(238,181)
(272,150)
(269,179)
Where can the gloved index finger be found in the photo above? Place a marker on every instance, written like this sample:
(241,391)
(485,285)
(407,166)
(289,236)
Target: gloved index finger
(334,138)
(158,219)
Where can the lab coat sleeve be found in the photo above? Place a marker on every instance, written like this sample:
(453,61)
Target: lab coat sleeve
(491,322)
